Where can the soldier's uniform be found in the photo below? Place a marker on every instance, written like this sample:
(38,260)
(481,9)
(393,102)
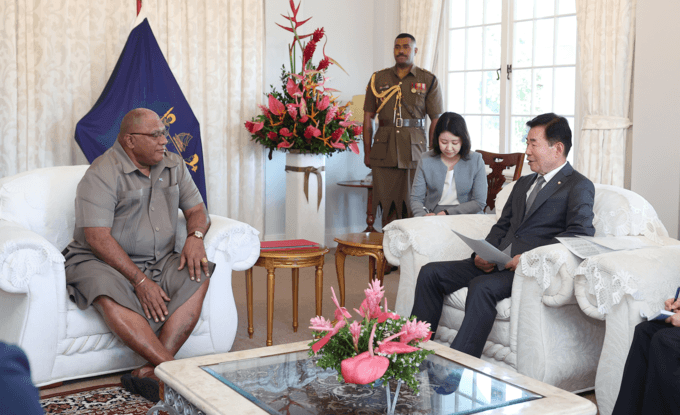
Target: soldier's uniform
(400,138)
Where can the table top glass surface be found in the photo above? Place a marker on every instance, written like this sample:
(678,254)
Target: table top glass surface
(291,383)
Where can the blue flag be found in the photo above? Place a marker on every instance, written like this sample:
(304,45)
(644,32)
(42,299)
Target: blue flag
(142,79)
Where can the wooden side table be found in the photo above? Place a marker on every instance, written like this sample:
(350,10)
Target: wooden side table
(360,244)
(370,219)
(294,259)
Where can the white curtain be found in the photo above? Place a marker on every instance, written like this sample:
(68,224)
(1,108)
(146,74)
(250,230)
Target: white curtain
(58,55)
(55,59)
(606,38)
(421,18)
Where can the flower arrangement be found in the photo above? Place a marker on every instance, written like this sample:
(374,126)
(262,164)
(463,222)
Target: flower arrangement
(382,345)
(304,115)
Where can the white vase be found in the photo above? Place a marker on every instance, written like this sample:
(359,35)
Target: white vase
(306,214)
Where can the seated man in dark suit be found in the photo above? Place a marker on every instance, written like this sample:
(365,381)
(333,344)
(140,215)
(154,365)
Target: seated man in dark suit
(556,201)
(651,377)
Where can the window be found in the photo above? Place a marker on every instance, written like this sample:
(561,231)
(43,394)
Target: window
(538,39)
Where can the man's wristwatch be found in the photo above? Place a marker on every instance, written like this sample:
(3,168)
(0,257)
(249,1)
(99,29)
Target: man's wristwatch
(197,234)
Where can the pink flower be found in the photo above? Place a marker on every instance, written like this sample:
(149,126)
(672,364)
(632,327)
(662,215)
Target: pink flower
(354,147)
(303,109)
(304,119)
(292,110)
(323,103)
(292,88)
(319,323)
(385,314)
(254,127)
(265,110)
(331,113)
(284,144)
(366,367)
(275,106)
(396,348)
(272,136)
(337,135)
(321,343)
(355,330)
(346,124)
(312,131)
(370,307)
(338,144)
(358,130)
(285,132)
(340,312)
(415,330)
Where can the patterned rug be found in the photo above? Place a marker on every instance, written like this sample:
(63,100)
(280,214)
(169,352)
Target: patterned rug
(98,400)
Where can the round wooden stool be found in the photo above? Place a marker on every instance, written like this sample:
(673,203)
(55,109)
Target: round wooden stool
(286,258)
(360,244)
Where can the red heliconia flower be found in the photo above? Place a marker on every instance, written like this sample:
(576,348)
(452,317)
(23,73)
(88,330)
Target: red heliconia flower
(318,35)
(357,129)
(275,106)
(324,64)
(273,136)
(337,134)
(308,52)
(254,127)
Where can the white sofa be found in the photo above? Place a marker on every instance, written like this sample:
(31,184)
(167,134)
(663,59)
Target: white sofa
(540,331)
(621,287)
(62,342)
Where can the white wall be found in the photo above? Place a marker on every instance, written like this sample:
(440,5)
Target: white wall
(360,36)
(656,122)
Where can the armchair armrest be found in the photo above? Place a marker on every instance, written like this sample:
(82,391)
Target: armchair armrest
(412,243)
(649,275)
(23,254)
(553,267)
(237,241)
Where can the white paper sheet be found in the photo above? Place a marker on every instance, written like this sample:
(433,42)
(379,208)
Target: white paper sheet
(485,250)
(583,248)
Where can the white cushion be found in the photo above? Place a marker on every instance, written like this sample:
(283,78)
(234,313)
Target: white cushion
(502,197)
(43,201)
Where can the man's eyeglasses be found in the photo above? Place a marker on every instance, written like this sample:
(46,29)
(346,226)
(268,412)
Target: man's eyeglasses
(156,135)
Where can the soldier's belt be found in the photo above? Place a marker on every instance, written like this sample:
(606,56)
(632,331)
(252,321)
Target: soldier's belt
(407,122)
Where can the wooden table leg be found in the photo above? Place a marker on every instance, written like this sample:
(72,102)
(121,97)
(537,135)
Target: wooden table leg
(371,269)
(319,288)
(249,299)
(340,269)
(296,280)
(270,304)
(370,219)
(381,265)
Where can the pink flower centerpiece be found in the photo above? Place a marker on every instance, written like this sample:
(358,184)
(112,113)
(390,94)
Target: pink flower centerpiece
(304,115)
(381,345)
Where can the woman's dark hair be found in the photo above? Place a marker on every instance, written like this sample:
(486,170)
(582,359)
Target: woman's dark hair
(455,124)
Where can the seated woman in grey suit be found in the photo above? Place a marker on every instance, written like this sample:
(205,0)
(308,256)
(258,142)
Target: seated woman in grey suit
(450,179)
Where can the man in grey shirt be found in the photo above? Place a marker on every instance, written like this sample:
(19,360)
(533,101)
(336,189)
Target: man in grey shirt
(122,258)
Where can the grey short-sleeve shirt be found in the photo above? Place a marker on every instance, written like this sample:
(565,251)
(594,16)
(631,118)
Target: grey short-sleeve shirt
(141,211)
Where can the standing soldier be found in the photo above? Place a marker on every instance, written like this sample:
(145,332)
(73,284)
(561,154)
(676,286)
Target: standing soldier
(401,96)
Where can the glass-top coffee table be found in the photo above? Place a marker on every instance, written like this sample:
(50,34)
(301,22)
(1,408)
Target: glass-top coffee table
(283,379)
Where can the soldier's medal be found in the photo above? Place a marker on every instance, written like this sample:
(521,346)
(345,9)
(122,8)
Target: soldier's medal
(413,89)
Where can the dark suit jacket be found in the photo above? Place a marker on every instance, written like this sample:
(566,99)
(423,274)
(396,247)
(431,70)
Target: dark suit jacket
(564,207)
(17,393)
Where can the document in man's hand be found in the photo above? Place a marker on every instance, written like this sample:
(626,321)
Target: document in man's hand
(660,315)
(485,250)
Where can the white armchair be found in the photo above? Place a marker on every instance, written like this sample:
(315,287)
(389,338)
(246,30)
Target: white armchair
(62,342)
(620,287)
(540,330)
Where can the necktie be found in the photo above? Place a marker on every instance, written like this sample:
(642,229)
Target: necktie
(540,181)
